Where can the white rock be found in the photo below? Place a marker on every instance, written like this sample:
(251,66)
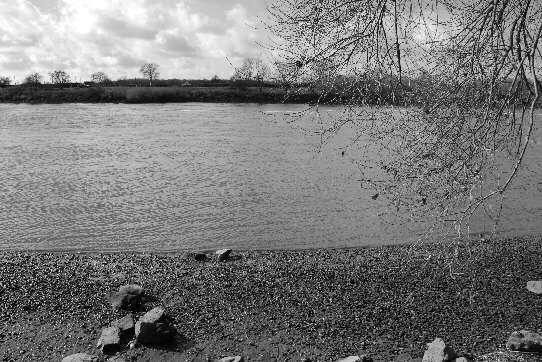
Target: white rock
(223,254)
(438,351)
(80,357)
(535,286)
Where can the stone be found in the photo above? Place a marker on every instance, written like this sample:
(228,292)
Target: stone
(109,341)
(438,351)
(80,357)
(133,289)
(508,356)
(200,257)
(223,254)
(525,341)
(535,286)
(124,301)
(350,359)
(126,325)
(362,358)
(153,329)
(231,359)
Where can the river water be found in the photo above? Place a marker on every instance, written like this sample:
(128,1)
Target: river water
(166,177)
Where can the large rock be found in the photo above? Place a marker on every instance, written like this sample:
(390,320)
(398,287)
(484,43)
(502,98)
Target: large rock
(109,341)
(133,289)
(438,351)
(525,341)
(223,254)
(154,329)
(124,301)
(126,325)
(231,359)
(128,297)
(80,357)
(535,286)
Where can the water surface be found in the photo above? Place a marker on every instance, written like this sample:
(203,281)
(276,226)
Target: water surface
(189,176)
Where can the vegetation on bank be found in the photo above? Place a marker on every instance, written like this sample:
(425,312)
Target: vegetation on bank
(155,94)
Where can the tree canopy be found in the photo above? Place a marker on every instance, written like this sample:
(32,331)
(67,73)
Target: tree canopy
(468,72)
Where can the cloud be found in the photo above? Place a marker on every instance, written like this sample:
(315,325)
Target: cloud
(187,38)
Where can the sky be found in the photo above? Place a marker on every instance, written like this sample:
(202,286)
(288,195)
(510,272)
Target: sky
(187,38)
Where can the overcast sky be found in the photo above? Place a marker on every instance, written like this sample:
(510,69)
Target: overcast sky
(187,38)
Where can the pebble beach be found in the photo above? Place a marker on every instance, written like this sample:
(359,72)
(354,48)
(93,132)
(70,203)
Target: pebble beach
(282,305)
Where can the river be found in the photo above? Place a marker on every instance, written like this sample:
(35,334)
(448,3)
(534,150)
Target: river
(169,177)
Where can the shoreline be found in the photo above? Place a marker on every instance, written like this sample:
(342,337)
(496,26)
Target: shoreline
(322,304)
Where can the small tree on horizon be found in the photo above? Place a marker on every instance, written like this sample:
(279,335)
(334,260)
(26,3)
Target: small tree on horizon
(59,77)
(33,79)
(99,77)
(5,81)
(150,71)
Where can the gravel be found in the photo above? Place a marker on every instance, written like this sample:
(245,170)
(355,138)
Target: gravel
(321,304)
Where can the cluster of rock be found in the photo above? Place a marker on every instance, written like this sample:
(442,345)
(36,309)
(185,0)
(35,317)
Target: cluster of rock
(154,328)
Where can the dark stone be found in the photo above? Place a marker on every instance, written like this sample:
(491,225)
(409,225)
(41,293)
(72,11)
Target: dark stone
(124,301)
(200,257)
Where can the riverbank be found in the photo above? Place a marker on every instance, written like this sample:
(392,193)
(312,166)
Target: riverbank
(171,94)
(279,305)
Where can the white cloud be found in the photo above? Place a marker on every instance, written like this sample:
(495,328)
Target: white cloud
(186,38)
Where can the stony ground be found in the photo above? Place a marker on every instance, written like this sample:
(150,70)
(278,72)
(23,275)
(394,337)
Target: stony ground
(279,305)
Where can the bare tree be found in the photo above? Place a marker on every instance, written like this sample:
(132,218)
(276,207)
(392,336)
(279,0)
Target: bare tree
(33,79)
(251,69)
(150,71)
(59,77)
(470,113)
(99,77)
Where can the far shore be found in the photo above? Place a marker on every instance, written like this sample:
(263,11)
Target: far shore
(169,94)
(321,304)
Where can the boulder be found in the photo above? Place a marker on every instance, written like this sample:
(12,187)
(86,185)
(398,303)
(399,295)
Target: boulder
(223,254)
(154,329)
(438,351)
(133,289)
(362,358)
(535,286)
(80,357)
(231,359)
(109,341)
(525,341)
(124,301)
(126,325)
